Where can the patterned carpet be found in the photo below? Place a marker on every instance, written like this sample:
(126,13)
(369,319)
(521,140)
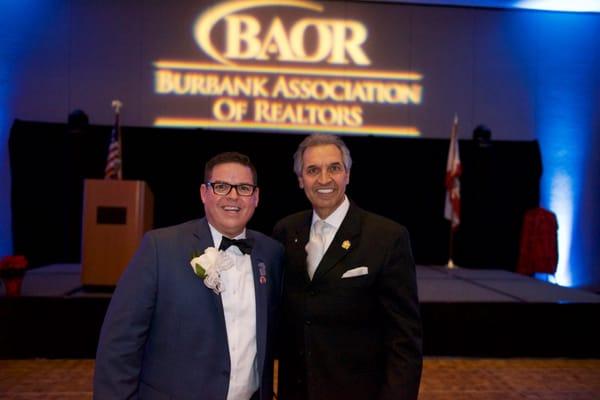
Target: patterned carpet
(443,378)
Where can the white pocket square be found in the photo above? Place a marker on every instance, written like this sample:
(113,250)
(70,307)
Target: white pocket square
(360,271)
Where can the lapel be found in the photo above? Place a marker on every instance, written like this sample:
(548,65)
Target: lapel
(297,253)
(261,285)
(202,241)
(345,240)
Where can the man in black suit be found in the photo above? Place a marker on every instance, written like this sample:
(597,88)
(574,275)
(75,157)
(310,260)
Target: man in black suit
(351,324)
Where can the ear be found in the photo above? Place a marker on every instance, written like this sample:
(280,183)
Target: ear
(348,178)
(256,196)
(300,182)
(203,193)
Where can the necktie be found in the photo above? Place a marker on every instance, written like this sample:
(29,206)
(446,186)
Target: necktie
(315,248)
(245,245)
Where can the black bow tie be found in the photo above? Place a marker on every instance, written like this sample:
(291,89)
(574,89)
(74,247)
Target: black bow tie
(245,245)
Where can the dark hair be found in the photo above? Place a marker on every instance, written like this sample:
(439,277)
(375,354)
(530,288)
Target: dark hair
(229,157)
(319,139)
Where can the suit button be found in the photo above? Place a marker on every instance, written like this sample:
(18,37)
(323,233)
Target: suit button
(312,293)
(307,322)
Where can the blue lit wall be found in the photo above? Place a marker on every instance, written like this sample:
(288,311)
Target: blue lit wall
(25,25)
(17,19)
(568,95)
(7,55)
(5,218)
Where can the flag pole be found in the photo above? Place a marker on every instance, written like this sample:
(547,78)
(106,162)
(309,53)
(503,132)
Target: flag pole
(117,105)
(452,207)
(114,162)
(450,263)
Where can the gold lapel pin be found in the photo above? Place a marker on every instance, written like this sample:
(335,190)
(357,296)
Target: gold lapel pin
(346,244)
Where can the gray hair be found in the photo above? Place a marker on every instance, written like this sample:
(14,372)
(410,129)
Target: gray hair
(319,139)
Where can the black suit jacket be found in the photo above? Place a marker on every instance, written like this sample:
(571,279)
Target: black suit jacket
(350,338)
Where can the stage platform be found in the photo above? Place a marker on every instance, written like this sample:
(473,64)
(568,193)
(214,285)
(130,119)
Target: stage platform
(466,312)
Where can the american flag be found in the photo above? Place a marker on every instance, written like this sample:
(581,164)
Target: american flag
(453,172)
(113,161)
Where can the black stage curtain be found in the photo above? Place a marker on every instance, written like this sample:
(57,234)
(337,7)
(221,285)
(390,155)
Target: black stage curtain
(400,178)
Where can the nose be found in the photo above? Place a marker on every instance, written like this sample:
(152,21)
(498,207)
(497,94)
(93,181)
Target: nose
(324,176)
(233,193)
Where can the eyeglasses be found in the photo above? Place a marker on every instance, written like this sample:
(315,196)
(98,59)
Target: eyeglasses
(223,188)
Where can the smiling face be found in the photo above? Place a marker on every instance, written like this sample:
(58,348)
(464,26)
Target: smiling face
(229,213)
(324,178)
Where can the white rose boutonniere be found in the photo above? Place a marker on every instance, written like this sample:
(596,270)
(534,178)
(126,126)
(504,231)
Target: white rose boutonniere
(209,265)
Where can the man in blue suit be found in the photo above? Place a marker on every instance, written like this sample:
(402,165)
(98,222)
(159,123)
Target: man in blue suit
(188,321)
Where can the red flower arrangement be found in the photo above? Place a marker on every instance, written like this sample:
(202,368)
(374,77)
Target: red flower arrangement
(12,269)
(17,263)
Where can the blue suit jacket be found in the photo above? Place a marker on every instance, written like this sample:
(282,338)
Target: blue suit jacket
(164,334)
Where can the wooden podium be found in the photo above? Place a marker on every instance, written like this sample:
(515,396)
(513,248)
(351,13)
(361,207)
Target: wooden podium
(116,213)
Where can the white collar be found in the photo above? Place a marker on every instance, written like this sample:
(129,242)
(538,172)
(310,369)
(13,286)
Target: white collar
(218,236)
(336,218)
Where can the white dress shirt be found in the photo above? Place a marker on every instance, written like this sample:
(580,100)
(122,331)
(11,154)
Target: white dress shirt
(239,306)
(333,221)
